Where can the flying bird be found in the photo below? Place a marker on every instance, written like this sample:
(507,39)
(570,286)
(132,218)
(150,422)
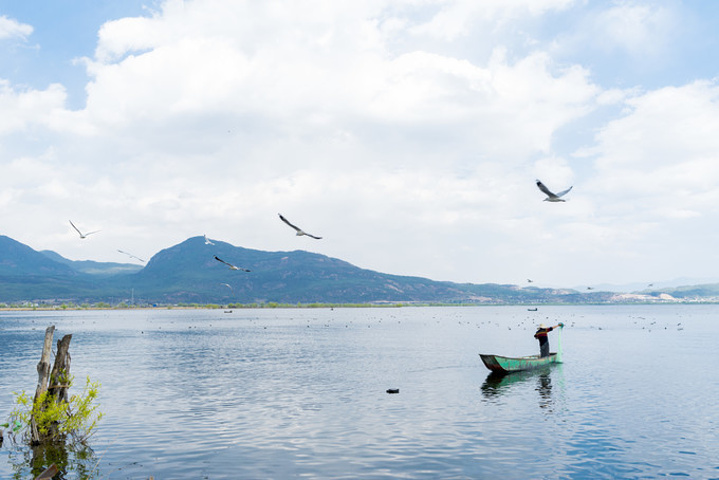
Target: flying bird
(82,235)
(297,229)
(207,241)
(232,267)
(551,196)
(132,256)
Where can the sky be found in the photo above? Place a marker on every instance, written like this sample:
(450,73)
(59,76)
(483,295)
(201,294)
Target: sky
(407,133)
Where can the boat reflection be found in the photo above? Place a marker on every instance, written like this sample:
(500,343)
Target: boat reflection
(497,385)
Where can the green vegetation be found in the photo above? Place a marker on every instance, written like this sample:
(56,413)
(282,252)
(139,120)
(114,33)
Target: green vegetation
(214,306)
(313,305)
(60,421)
(187,275)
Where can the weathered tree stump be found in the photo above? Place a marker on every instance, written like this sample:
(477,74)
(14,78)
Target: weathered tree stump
(60,376)
(54,382)
(43,367)
(43,378)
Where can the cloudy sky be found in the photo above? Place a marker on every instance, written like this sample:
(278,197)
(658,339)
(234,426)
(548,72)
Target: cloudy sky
(408,133)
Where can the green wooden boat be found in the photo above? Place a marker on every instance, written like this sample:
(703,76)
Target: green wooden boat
(498,363)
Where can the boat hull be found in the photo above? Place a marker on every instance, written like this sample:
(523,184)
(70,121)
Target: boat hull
(498,363)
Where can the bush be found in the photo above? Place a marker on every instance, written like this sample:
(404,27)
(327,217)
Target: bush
(75,419)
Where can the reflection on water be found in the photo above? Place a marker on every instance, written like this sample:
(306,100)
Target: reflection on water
(290,393)
(498,384)
(544,387)
(72,461)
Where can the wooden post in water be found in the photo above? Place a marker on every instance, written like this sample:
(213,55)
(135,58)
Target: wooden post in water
(43,377)
(43,367)
(60,376)
(55,382)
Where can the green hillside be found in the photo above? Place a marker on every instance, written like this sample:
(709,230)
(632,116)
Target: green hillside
(189,273)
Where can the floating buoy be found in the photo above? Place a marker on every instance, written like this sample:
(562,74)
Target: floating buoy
(393,390)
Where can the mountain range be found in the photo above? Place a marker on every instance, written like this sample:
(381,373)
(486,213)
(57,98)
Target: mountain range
(189,273)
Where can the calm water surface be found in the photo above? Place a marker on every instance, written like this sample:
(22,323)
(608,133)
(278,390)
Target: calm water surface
(301,393)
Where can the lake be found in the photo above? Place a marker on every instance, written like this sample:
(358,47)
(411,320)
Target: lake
(302,393)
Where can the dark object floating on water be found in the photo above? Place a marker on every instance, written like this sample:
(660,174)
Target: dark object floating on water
(393,390)
(498,363)
(532,309)
(49,472)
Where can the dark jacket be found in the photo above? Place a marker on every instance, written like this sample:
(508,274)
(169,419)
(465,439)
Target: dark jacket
(541,335)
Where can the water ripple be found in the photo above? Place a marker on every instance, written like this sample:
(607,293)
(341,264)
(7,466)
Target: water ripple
(299,393)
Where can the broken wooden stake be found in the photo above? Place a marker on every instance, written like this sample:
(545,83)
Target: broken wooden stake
(54,382)
(60,376)
(43,377)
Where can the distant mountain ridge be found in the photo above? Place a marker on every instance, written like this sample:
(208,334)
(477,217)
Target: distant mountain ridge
(189,273)
(94,268)
(18,259)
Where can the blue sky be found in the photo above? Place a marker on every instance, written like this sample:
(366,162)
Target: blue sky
(408,134)
(61,33)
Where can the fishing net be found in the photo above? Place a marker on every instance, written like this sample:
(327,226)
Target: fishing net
(559,344)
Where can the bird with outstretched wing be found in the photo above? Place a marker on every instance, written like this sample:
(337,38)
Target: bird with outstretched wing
(131,256)
(299,231)
(232,267)
(82,235)
(551,196)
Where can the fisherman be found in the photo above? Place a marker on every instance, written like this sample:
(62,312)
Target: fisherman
(541,335)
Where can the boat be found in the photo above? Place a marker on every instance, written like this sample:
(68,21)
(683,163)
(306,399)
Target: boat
(500,364)
(532,309)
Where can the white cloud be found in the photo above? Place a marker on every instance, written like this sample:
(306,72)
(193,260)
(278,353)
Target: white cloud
(212,116)
(457,19)
(653,191)
(668,139)
(637,27)
(24,108)
(10,28)
(687,114)
(195,117)
(301,83)
(624,38)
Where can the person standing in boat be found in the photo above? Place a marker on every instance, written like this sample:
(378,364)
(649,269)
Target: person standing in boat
(543,338)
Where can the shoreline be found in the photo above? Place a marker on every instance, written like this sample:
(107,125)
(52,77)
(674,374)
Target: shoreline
(330,306)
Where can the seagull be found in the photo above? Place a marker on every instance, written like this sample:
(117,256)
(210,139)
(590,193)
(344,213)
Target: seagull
(299,230)
(232,267)
(132,256)
(82,235)
(207,241)
(552,197)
